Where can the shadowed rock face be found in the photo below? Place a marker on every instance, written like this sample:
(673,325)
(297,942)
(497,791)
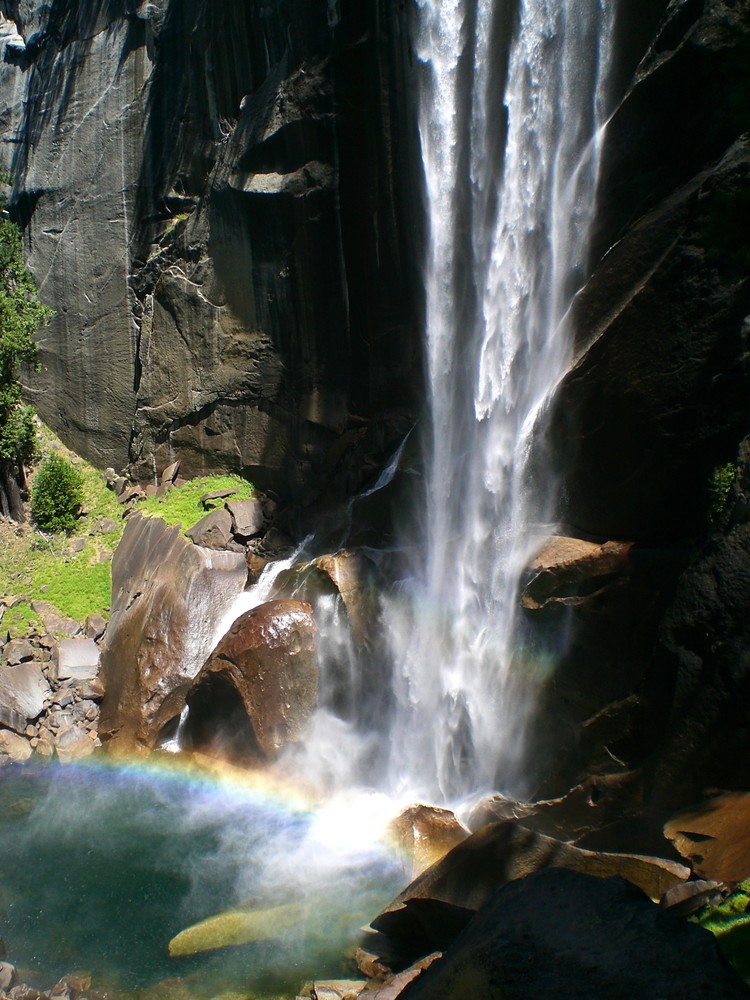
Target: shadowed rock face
(219,200)
(566,935)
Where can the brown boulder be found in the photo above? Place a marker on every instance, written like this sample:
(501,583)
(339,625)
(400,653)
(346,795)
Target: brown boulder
(214,531)
(715,836)
(259,687)
(568,570)
(434,908)
(168,597)
(424,834)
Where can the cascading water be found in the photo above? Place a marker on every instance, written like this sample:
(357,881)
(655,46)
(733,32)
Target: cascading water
(512,113)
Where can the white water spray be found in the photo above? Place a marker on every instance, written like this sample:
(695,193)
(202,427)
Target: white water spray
(509,224)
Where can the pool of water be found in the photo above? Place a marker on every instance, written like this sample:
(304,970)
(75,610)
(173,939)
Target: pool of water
(102,865)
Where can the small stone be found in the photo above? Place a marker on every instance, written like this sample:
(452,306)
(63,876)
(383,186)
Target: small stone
(7,975)
(93,689)
(216,495)
(119,485)
(78,545)
(55,622)
(13,746)
(131,494)
(104,526)
(30,732)
(18,651)
(170,473)
(95,626)
(45,748)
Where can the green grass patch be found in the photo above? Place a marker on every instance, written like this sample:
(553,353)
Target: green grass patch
(183,505)
(729,922)
(47,567)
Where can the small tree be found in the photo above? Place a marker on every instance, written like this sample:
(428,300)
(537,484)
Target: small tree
(21,314)
(57,494)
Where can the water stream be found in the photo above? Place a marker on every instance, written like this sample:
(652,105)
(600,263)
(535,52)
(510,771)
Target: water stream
(513,106)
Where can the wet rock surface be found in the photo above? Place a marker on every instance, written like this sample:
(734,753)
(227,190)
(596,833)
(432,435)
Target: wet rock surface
(259,687)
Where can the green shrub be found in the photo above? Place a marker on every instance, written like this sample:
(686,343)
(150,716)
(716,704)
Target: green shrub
(56,495)
(719,486)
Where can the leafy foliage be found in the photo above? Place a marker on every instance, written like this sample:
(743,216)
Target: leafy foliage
(719,485)
(57,494)
(21,314)
(729,922)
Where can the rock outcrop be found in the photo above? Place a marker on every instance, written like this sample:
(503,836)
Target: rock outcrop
(259,688)
(168,597)
(566,935)
(219,202)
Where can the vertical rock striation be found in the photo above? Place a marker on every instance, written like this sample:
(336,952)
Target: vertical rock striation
(219,202)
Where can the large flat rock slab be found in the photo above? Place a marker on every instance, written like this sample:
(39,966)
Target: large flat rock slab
(77,659)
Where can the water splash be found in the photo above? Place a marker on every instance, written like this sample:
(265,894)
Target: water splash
(512,114)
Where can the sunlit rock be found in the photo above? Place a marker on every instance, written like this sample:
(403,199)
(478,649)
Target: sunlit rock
(23,690)
(168,597)
(424,834)
(13,748)
(77,660)
(431,911)
(714,836)
(571,570)
(214,531)
(55,622)
(259,687)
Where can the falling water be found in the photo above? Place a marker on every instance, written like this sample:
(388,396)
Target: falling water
(513,107)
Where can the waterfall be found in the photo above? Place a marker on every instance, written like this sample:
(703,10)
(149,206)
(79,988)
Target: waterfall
(512,111)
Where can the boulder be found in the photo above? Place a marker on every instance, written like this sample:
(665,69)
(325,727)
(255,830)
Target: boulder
(433,909)
(95,626)
(214,531)
(73,743)
(23,690)
(247,518)
(168,597)
(259,687)
(7,975)
(714,836)
(170,473)
(76,660)
(13,747)
(424,834)
(568,936)
(18,651)
(568,570)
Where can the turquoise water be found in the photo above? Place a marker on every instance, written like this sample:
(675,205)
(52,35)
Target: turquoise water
(101,866)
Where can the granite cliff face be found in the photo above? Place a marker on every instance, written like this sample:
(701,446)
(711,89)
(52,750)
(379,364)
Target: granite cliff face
(654,658)
(220,202)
